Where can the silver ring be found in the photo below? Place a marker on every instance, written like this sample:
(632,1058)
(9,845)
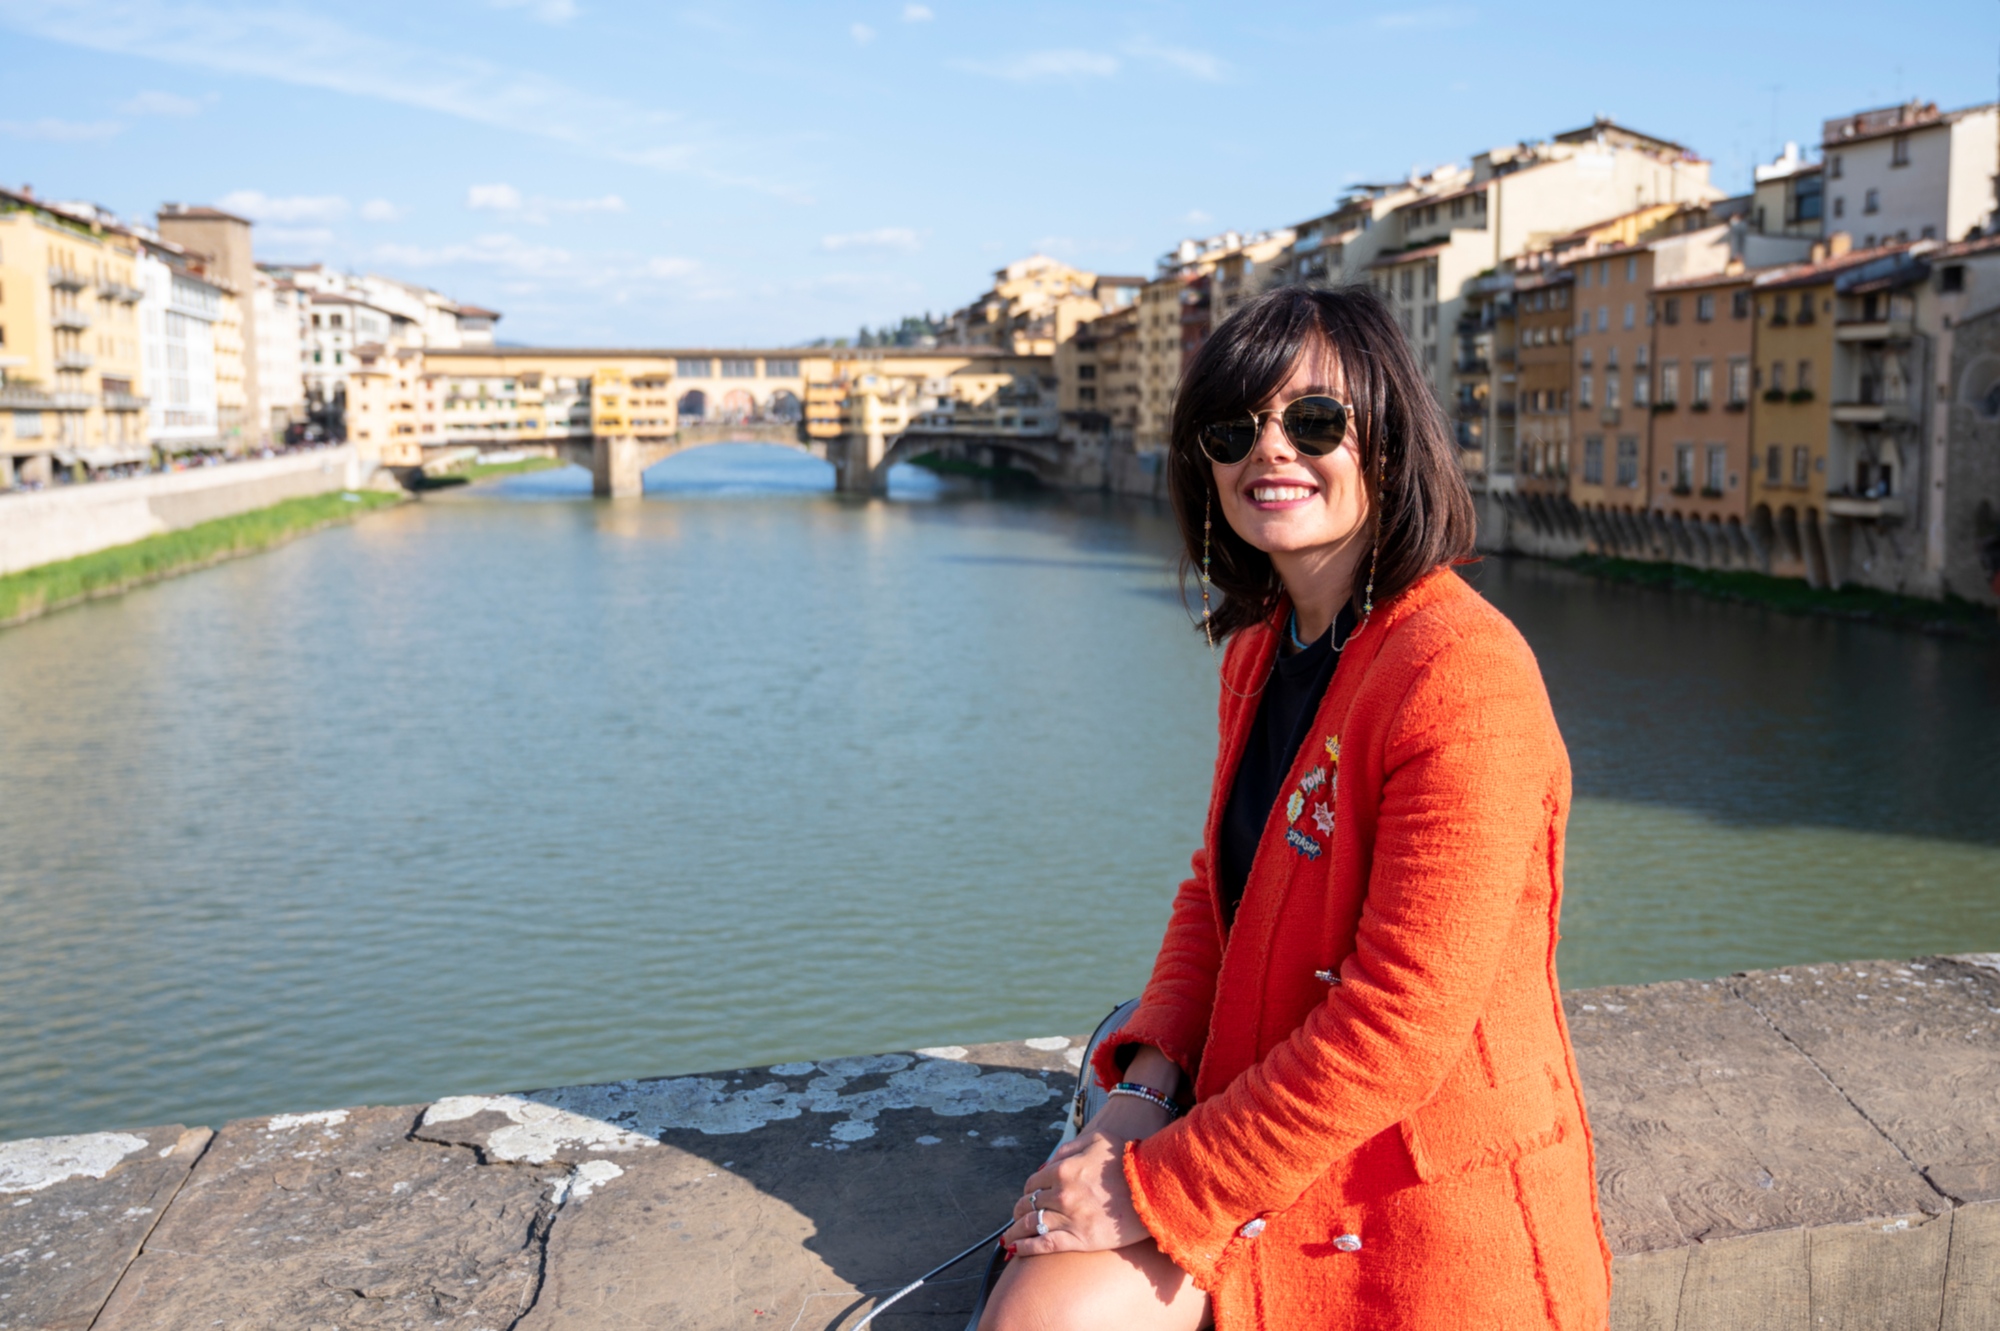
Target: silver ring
(1041,1225)
(1033,1195)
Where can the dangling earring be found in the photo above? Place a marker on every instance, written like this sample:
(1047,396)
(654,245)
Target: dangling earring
(1375,554)
(1207,517)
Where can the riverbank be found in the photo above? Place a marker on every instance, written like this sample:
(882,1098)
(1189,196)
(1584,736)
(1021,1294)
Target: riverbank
(468,472)
(1952,617)
(49,587)
(1810,1146)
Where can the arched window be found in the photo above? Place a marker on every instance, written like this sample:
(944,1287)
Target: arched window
(784,407)
(694,404)
(738,405)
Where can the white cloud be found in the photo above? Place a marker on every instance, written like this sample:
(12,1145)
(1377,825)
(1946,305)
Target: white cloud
(495,198)
(917,14)
(1196,217)
(555,12)
(900,238)
(1195,64)
(380,210)
(1067,63)
(665,267)
(1440,16)
(261,207)
(862,34)
(302,239)
(498,251)
(293,46)
(50,130)
(162,104)
(504,198)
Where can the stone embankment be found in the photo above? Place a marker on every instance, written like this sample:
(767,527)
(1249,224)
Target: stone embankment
(43,526)
(1816,1147)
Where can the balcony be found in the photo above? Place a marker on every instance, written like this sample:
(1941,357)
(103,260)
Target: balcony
(75,320)
(124,402)
(74,360)
(67,279)
(121,293)
(1473,365)
(22,397)
(1874,330)
(1853,506)
(1874,413)
(1610,416)
(72,401)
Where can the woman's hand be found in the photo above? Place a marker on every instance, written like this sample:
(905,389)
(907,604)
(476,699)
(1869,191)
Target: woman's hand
(1081,1193)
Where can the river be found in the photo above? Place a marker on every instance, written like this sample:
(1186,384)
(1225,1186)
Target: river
(510,788)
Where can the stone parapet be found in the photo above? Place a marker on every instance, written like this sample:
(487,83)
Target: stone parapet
(1803,1148)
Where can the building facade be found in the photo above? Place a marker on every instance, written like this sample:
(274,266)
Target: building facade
(1910,172)
(1704,339)
(71,378)
(179,315)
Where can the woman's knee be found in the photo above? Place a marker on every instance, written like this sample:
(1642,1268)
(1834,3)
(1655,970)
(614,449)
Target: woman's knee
(1091,1291)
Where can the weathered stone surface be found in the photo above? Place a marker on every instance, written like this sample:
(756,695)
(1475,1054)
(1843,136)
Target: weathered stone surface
(1972,1271)
(1868,1276)
(1756,1283)
(73,1212)
(1915,1046)
(1646,1290)
(789,1194)
(339,1220)
(1709,1124)
(1776,1150)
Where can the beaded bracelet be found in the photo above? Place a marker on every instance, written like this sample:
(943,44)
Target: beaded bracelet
(1149,1095)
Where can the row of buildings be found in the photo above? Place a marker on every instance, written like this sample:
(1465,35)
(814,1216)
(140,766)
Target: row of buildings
(126,347)
(1793,379)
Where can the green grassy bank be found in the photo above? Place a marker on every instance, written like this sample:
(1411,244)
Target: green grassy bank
(36,591)
(1953,616)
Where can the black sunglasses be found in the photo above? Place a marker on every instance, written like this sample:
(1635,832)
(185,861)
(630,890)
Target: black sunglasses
(1314,425)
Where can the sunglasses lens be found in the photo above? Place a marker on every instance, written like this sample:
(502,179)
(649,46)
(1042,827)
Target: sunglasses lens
(1229,442)
(1316,425)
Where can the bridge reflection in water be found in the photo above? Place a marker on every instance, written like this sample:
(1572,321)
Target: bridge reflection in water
(618,412)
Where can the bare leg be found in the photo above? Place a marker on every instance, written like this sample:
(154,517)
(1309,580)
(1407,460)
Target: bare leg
(1133,1289)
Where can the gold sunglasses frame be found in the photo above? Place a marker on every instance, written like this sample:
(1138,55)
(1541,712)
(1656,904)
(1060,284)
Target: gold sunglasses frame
(1258,418)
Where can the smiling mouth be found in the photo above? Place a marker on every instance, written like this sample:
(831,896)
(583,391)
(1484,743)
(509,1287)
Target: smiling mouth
(1279,494)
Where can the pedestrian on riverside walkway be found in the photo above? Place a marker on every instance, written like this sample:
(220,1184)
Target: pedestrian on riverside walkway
(1346,1098)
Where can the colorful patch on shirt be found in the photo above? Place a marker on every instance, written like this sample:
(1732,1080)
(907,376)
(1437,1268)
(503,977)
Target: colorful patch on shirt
(1302,843)
(1313,780)
(1294,806)
(1333,749)
(1323,818)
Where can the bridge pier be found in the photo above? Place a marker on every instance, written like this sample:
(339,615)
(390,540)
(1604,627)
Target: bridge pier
(859,469)
(617,464)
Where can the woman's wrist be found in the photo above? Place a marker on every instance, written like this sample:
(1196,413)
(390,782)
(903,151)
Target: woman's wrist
(1156,1072)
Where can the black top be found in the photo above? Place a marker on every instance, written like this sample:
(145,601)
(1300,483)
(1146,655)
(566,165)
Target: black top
(1284,715)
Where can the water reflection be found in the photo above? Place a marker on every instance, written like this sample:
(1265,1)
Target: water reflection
(510,788)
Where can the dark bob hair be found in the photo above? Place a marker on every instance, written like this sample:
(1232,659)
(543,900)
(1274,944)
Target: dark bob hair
(1423,512)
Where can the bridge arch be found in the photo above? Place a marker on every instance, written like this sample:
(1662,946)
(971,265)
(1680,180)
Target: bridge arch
(738,405)
(693,405)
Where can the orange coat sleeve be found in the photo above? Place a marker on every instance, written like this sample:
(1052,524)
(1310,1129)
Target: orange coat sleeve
(1173,1012)
(1470,778)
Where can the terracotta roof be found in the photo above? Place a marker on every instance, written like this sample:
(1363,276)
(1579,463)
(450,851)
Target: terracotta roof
(1811,274)
(1739,278)
(477,312)
(201,212)
(1404,256)
(1963,248)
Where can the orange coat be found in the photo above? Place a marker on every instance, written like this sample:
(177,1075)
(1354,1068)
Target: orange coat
(1388,1130)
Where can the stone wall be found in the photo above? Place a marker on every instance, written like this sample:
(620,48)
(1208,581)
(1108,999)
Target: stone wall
(43,526)
(1815,1147)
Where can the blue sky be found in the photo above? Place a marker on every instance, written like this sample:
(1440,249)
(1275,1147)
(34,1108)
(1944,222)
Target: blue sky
(651,174)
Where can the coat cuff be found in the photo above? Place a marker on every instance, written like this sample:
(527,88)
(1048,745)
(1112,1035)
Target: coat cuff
(1199,1249)
(1114,1055)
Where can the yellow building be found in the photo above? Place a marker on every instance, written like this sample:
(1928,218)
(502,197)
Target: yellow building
(232,400)
(1793,424)
(70,381)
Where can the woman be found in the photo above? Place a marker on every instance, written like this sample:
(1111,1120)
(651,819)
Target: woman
(1347,1097)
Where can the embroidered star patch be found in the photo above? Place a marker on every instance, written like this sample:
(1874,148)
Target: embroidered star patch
(1323,819)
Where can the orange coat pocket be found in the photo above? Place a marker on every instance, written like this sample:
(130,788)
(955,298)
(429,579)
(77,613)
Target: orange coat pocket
(1484,1126)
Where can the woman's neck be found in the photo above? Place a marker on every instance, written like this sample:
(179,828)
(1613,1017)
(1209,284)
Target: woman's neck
(1320,582)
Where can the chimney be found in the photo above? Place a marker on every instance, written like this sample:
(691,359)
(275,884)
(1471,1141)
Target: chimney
(1839,243)
(1818,254)
(27,191)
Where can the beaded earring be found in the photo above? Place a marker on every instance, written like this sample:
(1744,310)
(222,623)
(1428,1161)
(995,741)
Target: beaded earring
(1207,517)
